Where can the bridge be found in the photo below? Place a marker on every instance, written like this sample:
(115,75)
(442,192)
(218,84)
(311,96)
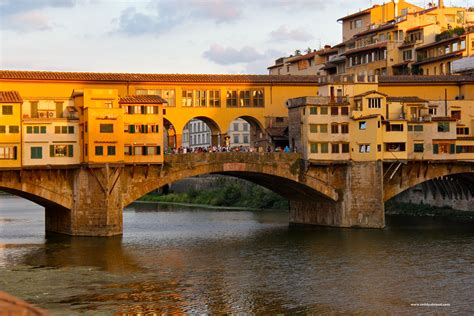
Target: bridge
(88,200)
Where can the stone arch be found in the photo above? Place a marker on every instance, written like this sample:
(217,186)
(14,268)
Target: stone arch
(414,173)
(280,177)
(171,136)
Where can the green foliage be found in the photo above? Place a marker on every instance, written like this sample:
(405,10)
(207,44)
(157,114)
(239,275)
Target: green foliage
(227,193)
(457,31)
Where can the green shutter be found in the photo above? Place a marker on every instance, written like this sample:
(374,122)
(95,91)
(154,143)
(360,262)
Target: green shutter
(51,150)
(43,129)
(458,149)
(29,129)
(70,150)
(452,149)
(435,148)
(131,129)
(158,150)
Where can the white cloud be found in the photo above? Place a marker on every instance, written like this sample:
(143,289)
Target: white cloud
(283,33)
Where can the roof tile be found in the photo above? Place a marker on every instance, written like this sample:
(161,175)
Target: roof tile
(10,97)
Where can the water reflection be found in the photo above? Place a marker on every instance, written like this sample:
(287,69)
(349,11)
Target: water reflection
(201,261)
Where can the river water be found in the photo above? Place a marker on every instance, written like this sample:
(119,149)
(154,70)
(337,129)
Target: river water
(201,261)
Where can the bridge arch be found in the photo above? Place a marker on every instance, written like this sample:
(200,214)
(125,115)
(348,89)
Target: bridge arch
(282,177)
(407,176)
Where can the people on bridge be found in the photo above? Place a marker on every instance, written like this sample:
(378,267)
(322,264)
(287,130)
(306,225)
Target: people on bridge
(223,149)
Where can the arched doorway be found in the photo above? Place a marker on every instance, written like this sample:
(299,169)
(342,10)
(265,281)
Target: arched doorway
(200,133)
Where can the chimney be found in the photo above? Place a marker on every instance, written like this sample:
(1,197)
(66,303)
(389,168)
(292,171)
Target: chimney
(440,4)
(395,9)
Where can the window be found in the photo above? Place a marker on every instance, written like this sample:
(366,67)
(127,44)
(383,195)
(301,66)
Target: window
(415,128)
(362,125)
(280,119)
(258,98)
(443,127)
(358,23)
(335,148)
(407,55)
(313,110)
(3,129)
(14,129)
(200,98)
(323,128)
(394,147)
(246,139)
(314,148)
(345,128)
(374,103)
(109,104)
(8,152)
(245,98)
(138,150)
(394,127)
(418,148)
(313,128)
(7,109)
(110,150)
(236,126)
(462,130)
(245,127)
(187,98)
(334,129)
(432,111)
(236,139)
(43,129)
(344,110)
(444,148)
(214,98)
(106,128)
(364,148)
(324,110)
(36,152)
(61,151)
(456,115)
(345,148)
(324,148)
(99,150)
(232,98)
(334,110)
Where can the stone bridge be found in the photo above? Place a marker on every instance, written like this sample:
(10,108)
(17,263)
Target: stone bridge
(88,200)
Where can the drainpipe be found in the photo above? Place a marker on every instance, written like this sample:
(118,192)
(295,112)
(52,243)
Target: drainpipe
(446,102)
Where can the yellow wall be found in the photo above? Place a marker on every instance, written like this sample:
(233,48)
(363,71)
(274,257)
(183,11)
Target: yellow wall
(10,141)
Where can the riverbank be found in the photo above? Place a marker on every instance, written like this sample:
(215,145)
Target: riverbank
(225,194)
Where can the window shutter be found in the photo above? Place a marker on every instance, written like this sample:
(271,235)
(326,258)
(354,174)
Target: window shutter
(51,150)
(15,150)
(70,151)
(458,149)
(435,148)
(452,149)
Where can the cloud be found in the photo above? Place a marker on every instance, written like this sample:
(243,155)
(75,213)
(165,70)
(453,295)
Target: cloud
(285,34)
(26,15)
(229,55)
(10,7)
(292,4)
(167,14)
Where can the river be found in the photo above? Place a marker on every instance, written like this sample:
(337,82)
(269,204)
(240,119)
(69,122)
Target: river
(205,261)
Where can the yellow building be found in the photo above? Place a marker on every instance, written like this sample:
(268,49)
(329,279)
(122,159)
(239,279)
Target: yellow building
(143,128)
(400,119)
(10,135)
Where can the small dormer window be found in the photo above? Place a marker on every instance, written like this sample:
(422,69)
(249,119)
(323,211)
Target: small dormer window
(374,103)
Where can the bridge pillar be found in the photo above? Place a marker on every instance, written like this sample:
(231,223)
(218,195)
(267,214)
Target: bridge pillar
(360,201)
(97,206)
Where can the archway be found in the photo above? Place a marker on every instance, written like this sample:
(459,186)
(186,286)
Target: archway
(246,132)
(170,136)
(454,191)
(201,132)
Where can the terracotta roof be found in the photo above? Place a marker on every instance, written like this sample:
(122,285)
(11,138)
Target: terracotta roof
(406,99)
(403,63)
(370,92)
(350,16)
(425,79)
(375,30)
(138,77)
(451,39)
(365,48)
(10,97)
(438,58)
(418,27)
(142,99)
(443,119)
(366,117)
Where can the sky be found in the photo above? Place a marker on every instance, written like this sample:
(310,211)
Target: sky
(167,36)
